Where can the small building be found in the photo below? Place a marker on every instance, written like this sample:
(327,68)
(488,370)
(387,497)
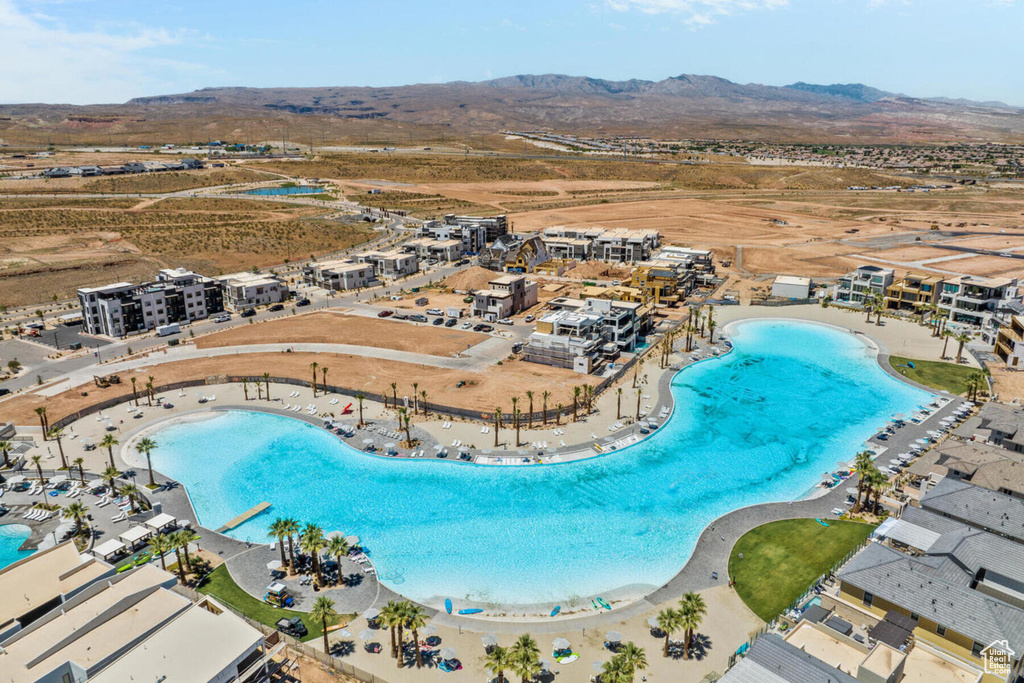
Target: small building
(791,287)
(855,288)
(339,275)
(913,291)
(245,290)
(659,284)
(505,297)
(390,264)
(438,250)
(1010,342)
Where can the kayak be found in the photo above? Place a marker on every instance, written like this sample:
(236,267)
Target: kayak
(821,522)
(470,611)
(555,611)
(604,604)
(448,605)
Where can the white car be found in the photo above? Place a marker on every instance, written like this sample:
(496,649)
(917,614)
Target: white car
(434,311)
(466,325)
(505,321)
(529,319)
(222,318)
(395,297)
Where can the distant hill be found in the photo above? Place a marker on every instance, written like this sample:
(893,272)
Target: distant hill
(681,106)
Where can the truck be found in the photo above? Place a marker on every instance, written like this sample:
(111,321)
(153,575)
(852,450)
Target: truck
(164,330)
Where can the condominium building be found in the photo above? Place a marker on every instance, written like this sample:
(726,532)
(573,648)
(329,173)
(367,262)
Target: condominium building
(1010,342)
(390,264)
(913,291)
(245,290)
(124,308)
(339,275)
(618,245)
(505,296)
(979,302)
(441,250)
(569,248)
(583,333)
(856,287)
(471,236)
(686,258)
(494,226)
(659,284)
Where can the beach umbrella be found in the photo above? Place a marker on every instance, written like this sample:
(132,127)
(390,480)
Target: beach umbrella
(428,630)
(653,622)
(597,666)
(58,478)
(489,640)
(332,534)
(924,441)
(932,432)
(852,490)
(367,634)
(613,637)
(448,653)
(389,445)
(560,644)
(545,666)
(16,479)
(367,441)
(274,564)
(352,540)
(371,614)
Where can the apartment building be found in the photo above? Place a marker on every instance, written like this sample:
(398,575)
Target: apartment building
(505,297)
(472,236)
(572,248)
(685,258)
(440,250)
(659,284)
(1010,342)
(854,288)
(339,275)
(618,245)
(913,291)
(494,226)
(569,339)
(979,302)
(121,309)
(390,264)
(245,290)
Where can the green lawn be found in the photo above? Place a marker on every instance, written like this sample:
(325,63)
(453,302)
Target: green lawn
(949,376)
(221,586)
(781,559)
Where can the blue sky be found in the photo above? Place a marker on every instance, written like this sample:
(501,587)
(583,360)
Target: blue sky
(89,51)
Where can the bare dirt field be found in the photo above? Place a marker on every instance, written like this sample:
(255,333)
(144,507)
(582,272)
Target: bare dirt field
(165,181)
(1000,243)
(338,328)
(985,266)
(911,253)
(483,391)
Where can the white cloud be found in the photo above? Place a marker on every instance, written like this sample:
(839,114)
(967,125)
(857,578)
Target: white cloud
(697,12)
(50,62)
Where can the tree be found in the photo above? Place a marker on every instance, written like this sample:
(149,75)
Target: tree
(314,365)
(633,658)
(692,611)
(323,611)
(146,445)
(415,397)
(618,403)
(108,442)
(639,395)
(946,334)
(149,390)
(5,448)
(497,661)
(173,542)
(529,417)
(394,395)
(266,381)
(360,398)
(278,529)
(75,511)
(37,460)
(313,542)
(135,393)
(337,548)
(43,422)
(668,623)
(160,545)
(291,528)
(56,433)
(558,414)
(423,396)
(401,612)
(545,395)
(415,619)
(185,537)
(132,492)
(525,658)
(615,671)
(961,339)
(323,374)
(245,388)
(862,466)
(518,420)
(497,425)
(878,482)
(576,391)
(390,615)
(109,477)
(79,462)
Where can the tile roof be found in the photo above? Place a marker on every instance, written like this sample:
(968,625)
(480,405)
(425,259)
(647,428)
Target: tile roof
(772,660)
(979,507)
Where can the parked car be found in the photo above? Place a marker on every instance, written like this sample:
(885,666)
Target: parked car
(303,302)
(450,322)
(466,325)
(434,311)
(4,391)
(248,313)
(505,321)
(292,627)
(384,314)
(276,307)
(395,297)
(222,318)
(530,318)
(438,321)
(418,318)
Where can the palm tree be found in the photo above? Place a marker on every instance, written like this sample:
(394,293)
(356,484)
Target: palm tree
(618,403)
(108,442)
(529,417)
(149,392)
(291,528)
(415,397)
(639,395)
(37,460)
(423,396)
(545,395)
(961,339)
(5,448)
(558,414)
(390,615)
(633,658)
(323,611)
(278,529)
(575,401)
(245,388)
(78,462)
(337,548)
(132,492)
(615,671)
(184,537)
(266,380)
(360,398)
(43,422)
(56,433)
(160,545)
(878,482)
(109,477)
(401,613)
(135,393)
(394,394)
(946,334)
(259,391)
(519,415)
(76,512)
(173,541)
(323,375)
(146,445)
(862,466)
(415,619)
(525,657)
(497,425)
(497,661)
(692,611)
(668,623)
(313,542)
(314,365)
(588,397)
(406,420)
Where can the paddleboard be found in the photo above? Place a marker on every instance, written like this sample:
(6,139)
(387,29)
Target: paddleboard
(555,611)
(448,605)
(823,523)
(604,604)
(470,611)
(593,603)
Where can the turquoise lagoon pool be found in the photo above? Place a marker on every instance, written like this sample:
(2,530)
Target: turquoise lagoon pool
(293,189)
(11,538)
(760,424)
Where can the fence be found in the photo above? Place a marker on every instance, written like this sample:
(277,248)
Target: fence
(782,302)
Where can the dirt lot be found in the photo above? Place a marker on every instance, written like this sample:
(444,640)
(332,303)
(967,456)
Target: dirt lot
(337,328)
(985,266)
(484,391)
(166,181)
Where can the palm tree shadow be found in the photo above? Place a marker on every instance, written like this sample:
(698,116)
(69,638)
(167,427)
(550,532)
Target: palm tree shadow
(352,580)
(343,648)
(700,647)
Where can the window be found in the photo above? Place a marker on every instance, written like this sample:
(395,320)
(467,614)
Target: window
(868,598)
(940,630)
(977,648)
(915,616)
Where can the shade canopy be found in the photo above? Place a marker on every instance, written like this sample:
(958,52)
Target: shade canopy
(274,564)
(560,644)
(352,540)
(448,653)
(367,634)
(613,637)
(16,479)
(653,622)
(371,614)
(489,640)
(58,478)
(428,630)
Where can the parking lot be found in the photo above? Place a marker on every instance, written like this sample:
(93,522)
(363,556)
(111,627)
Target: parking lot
(64,335)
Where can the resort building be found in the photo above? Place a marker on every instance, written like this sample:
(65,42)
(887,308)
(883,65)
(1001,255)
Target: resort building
(340,275)
(494,227)
(505,297)
(978,302)
(441,251)
(630,315)
(175,296)
(390,264)
(854,288)
(245,290)
(1010,342)
(791,287)
(583,334)
(913,291)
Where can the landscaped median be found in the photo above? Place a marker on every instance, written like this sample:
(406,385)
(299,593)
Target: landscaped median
(943,376)
(773,564)
(219,584)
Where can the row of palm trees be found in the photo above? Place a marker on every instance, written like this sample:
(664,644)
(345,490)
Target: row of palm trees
(399,618)
(871,482)
(178,541)
(522,659)
(622,668)
(686,618)
(311,540)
